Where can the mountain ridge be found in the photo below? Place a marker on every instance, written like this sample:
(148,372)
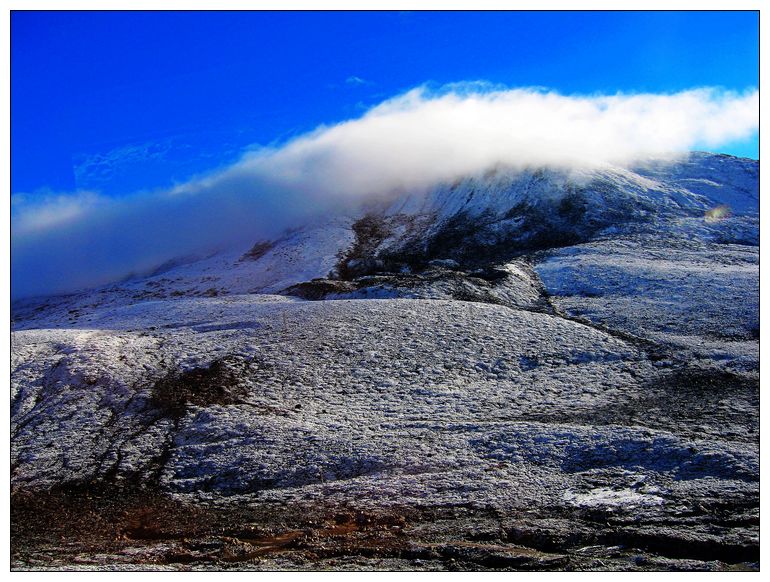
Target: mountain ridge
(557,375)
(520,211)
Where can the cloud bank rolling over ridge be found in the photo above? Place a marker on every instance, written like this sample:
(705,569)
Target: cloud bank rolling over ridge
(62,243)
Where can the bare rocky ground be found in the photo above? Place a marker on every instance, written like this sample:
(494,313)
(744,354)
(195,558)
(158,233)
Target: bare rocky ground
(486,396)
(143,530)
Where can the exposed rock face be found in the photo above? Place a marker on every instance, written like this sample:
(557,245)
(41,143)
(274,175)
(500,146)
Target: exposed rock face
(534,371)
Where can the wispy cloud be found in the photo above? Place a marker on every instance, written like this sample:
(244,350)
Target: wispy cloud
(407,143)
(101,166)
(357,81)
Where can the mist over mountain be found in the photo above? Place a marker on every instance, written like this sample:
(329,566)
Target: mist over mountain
(529,361)
(411,144)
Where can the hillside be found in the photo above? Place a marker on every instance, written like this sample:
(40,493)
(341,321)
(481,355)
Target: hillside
(520,370)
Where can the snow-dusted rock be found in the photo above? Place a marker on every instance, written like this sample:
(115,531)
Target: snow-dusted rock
(560,353)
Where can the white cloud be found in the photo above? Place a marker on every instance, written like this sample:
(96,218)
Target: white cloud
(353,80)
(409,142)
(416,139)
(42,212)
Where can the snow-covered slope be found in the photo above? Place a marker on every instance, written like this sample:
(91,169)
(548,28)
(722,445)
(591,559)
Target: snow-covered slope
(570,358)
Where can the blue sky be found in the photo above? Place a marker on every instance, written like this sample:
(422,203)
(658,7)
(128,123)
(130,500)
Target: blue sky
(118,102)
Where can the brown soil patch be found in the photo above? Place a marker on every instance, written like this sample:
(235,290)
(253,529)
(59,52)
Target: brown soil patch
(218,384)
